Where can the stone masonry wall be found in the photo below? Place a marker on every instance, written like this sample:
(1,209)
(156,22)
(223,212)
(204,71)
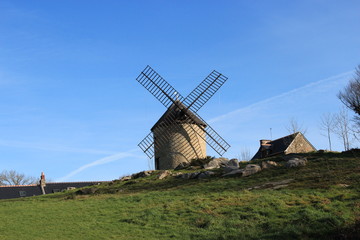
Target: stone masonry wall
(299,145)
(183,145)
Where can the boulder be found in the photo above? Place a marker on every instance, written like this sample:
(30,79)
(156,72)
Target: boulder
(273,185)
(216,163)
(195,175)
(163,174)
(211,165)
(206,174)
(188,175)
(126,178)
(236,172)
(291,156)
(182,165)
(194,167)
(251,169)
(185,176)
(233,163)
(175,174)
(268,164)
(229,169)
(142,174)
(296,162)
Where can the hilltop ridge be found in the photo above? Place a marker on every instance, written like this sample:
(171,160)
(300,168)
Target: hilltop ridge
(318,201)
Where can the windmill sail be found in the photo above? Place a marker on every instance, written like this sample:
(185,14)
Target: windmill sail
(170,121)
(147,145)
(182,110)
(158,87)
(204,91)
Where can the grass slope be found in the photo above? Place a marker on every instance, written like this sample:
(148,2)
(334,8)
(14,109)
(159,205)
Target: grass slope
(314,206)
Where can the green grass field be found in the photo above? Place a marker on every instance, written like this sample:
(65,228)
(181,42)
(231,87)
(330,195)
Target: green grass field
(315,205)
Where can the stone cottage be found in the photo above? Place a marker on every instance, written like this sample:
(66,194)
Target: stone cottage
(17,191)
(293,143)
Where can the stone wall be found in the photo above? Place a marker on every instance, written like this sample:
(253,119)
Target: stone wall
(183,144)
(300,145)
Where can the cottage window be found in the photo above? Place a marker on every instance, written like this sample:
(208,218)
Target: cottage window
(22,193)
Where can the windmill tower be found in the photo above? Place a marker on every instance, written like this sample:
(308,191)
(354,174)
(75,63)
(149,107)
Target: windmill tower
(180,135)
(185,141)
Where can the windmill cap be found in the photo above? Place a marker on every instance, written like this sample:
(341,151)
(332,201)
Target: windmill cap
(180,117)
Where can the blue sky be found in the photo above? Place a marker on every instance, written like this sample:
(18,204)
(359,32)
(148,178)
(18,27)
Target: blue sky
(70,105)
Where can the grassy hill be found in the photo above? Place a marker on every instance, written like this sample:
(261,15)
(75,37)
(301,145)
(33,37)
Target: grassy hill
(321,201)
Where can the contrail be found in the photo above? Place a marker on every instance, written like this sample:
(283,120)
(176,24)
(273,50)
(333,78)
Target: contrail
(229,114)
(100,161)
(49,147)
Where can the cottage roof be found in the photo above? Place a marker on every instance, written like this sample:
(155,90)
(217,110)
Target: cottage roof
(175,111)
(280,145)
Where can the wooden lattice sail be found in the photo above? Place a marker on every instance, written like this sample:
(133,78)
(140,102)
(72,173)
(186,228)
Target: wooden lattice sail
(180,134)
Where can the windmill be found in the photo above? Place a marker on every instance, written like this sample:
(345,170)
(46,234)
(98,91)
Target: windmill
(180,134)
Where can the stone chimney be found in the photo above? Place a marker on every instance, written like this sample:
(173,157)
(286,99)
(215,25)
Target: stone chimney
(265,148)
(42,182)
(264,142)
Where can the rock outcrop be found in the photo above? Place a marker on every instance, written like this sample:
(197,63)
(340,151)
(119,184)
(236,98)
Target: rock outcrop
(273,185)
(295,162)
(229,168)
(216,163)
(182,165)
(194,175)
(233,163)
(251,169)
(125,178)
(164,174)
(236,172)
(268,164)
(206,174)
(142,174)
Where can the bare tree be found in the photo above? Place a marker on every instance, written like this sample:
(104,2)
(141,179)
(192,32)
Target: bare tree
(295,127)
(342,127)
(245,154)
(327,123)
(150,163)
(14,178)
(350,96)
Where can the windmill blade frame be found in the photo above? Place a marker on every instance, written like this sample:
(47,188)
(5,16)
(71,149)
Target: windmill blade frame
(169,122)
(163,91)
(213,139)
(158,86)
(204,91)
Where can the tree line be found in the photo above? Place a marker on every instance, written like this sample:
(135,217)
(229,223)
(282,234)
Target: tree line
(340,123)
(14,178)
